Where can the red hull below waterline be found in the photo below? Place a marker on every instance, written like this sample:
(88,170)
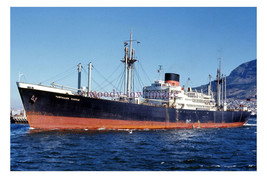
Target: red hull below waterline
(59,122)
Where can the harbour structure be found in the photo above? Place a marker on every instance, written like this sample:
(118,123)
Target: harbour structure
(18,118)
(164,105)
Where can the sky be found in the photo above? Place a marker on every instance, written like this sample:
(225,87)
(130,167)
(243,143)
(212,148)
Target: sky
(48,43)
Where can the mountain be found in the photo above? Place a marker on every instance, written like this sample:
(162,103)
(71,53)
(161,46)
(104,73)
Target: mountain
(240,84)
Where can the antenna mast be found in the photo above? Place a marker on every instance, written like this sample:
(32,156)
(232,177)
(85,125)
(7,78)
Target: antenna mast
(20,75)
(188,87)
(159,71)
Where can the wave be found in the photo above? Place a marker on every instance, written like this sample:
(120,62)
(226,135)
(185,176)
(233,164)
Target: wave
(250,125)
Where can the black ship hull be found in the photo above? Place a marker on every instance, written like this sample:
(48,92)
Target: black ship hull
(50,110)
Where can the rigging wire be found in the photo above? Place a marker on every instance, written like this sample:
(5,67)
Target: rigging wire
(120,83)
(105,78)
(51,78)
(141,84)
(112,82)
(64,77)
(98,85)
(25,78)
(117,80)
(115,69)
(121,76)
(85,74)
(139,79)
(144,71)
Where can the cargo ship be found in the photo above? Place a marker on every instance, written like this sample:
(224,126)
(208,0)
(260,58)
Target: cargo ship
(163,105)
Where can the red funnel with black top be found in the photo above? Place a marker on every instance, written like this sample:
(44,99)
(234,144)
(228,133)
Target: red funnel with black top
(172,79)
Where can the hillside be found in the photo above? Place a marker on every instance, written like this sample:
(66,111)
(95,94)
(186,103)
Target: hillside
(241,83)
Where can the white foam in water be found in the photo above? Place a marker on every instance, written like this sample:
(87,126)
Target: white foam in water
(230,166)
(217,165)
(250,124)
(31,128)
(101,129)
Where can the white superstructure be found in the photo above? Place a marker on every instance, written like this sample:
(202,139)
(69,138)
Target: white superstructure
(162,93)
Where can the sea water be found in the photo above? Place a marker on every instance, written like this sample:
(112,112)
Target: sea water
(218,149)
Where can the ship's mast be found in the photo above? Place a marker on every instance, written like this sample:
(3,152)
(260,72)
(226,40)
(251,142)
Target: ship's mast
(129,66)
(132,74)
(222,90)
(126,63)
(225,103)
(225,88)
(79,76)
(89,78)
(219,84)
(209,87)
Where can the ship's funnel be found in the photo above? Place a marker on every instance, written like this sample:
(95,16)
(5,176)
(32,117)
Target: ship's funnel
(172,79)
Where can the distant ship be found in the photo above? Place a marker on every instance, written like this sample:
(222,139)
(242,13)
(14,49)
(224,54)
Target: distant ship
(164,104)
